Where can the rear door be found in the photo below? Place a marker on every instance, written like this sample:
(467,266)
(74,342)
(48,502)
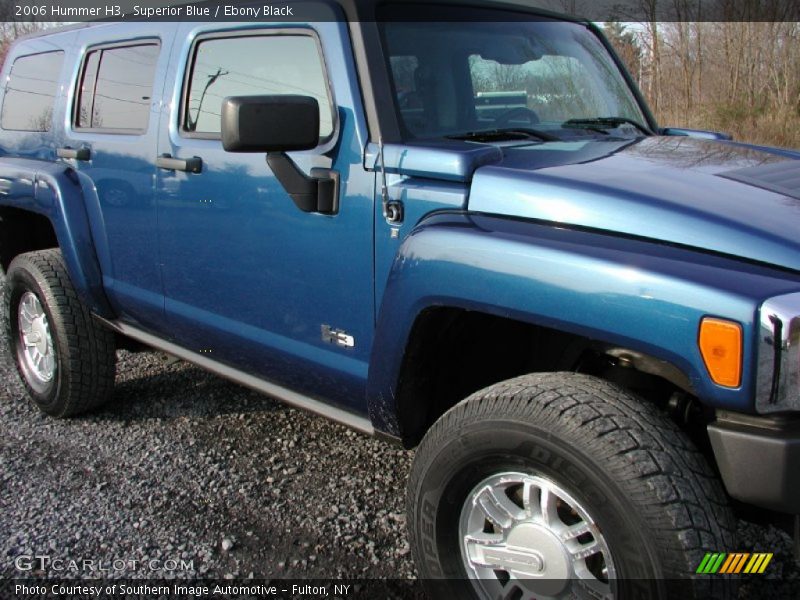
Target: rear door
(250,280)
(111,137)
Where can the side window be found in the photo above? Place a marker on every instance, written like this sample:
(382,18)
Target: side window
(116,88)
(252,66)
(31,91)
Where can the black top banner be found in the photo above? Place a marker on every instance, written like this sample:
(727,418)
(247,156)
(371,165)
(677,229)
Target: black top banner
(387,10)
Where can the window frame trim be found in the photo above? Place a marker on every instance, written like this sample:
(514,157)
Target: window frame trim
(251,32)
(76,97)
(55,96)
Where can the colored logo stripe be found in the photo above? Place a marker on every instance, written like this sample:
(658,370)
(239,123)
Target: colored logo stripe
(728,562)
(711,562)
(704,563)
(758,563)
(736,562)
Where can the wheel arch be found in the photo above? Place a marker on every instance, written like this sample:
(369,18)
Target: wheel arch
(635,299)
(44,206)
(23,231)
(453,352)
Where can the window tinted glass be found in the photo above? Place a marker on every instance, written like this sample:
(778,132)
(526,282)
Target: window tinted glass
(122,80)
(252,66)
(31,91)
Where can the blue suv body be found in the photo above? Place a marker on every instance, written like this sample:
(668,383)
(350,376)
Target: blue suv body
(403,248)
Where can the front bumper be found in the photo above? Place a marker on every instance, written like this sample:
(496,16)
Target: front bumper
(759,459)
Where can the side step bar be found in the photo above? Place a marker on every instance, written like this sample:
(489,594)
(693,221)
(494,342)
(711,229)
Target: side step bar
(265,387)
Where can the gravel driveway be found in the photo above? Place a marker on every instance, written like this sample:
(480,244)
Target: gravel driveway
(207,479)
(184,465)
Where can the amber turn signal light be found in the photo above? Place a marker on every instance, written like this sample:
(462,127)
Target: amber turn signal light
(721,347)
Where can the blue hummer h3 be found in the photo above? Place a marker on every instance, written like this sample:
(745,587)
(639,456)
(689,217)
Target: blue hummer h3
(469,236)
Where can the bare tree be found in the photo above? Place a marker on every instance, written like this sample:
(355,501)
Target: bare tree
(11,30)
(741,75)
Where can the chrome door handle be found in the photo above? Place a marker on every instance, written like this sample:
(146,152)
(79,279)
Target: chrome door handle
(190,165)
(83,153)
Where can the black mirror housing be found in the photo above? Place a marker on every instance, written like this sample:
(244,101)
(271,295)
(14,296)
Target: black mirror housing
(270,123)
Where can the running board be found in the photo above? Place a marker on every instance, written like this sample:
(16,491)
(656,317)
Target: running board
(265,387)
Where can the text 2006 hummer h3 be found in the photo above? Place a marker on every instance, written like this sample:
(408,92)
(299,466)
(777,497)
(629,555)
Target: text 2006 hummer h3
(471,237)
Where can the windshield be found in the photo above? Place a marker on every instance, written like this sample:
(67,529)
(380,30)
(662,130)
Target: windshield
(543,76)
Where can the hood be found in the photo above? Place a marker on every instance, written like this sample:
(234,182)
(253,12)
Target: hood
(724,197)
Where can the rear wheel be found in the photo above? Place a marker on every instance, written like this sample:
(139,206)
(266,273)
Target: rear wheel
(65,359)
(564,486)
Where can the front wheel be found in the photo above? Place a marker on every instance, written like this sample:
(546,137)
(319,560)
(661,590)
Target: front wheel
(564,486)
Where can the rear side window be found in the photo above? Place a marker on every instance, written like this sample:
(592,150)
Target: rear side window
(252,66)
(31,91)
(116,88)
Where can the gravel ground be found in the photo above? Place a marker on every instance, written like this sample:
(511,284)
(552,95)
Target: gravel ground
(185,466)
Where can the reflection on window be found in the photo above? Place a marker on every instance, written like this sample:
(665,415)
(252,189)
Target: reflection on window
(555,87)
(116,88)
(86,93)
(474,75)
(31,91)
(253,66)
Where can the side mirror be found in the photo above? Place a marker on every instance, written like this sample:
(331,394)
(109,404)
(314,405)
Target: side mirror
(696,133)
(277,125)
(270,123)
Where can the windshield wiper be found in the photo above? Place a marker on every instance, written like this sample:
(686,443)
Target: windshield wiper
(606,123)
(507,133)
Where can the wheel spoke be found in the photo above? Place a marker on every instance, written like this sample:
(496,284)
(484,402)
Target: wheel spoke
(497,507)
(584,551)
(548,506)
(30,338)
(30,308)
(575,531)
(49,363)
(484,549)
(530,499)
(27,314)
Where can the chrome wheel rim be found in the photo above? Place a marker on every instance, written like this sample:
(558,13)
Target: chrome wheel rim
(35,343)
(524,537)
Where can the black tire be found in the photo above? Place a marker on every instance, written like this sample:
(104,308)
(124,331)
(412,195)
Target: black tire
(656,503)
(85,357)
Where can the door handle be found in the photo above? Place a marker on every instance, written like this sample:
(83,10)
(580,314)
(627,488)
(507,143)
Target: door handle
(83,153)
(190,165)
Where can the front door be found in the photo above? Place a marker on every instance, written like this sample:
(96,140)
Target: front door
(249,279)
